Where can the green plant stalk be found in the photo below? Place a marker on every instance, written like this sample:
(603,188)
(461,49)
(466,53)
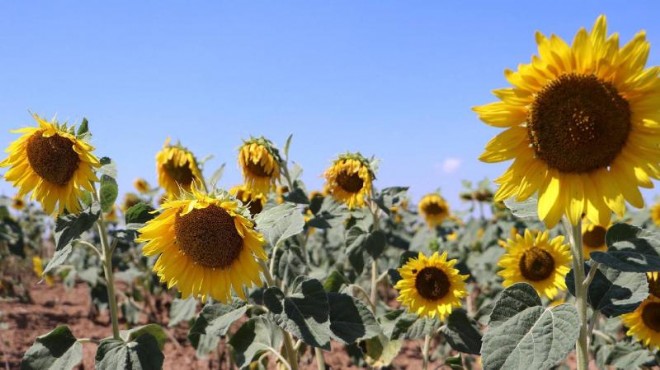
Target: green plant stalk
(320,361)
(373,207)
(581,289)
(425,351)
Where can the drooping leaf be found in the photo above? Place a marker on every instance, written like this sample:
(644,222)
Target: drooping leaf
(58,349)
(350,319)
(630,249)
(462,333)
(253,338)
(215,319)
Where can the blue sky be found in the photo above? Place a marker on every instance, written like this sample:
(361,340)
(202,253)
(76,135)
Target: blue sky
(394,79)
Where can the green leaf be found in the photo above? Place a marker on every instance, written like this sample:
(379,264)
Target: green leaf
(350,319)
(390,197)
(216,319)
(462,333)
(280,223)
(108,167)
(108,192)
(399,324)
(526,335)
(628,356)
(140,213)
(290,263)
(525,210)
(217,175)
(305,313)
(253,338)
(355,239)
(13,234)
(334,281)
(141,354)
(83,129)
(328,214)
(287,145)
(375,243)
(381,351)
(630,249)
(182,310)
(155,330)
(58,349)
(68,228)
(613,292)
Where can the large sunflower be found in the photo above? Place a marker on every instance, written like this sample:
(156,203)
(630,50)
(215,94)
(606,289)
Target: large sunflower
(254,202)
(431,286)
(260,163)
(593,239)
(53,163)
(177,168)
(207,246)
(582,126)
(536,260)
(434,209)
(655,214)
(349,179)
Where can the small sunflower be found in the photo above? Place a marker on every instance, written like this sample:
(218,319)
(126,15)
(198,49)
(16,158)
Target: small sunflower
(581,125)
(38,269)
(281,192)
(644,322)
(141,185)
(207,245)
(655,214)
(431,286)
(130,199)
(254,202)
(536,260)
(260,163)
(18,203)
(434,209)
(53,163)
(349,179)
(177,168)
(593,239)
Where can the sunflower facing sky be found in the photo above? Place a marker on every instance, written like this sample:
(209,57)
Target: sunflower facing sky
(177,168)
(582,126)
(349,179)
(644,322)
(53,163)
(434,209)
(259,161)
(207,246)
(431,286)
(593,239)
(536,260)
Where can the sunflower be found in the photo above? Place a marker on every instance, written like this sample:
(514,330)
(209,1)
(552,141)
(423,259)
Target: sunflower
(254,202)
(141,185)
(434,209)
(38,269)
(17,203)
(593,239)
(260,163)
(281,192)
(431,286)
(207,245)
(349,179)
(53,163)
(655,214)
(582,126)
(177,168)
(536,260)
(644,322)
(654,283)
(130,199)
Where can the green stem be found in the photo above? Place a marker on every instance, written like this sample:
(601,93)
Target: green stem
(425,352)
(581,288)
(320,361)
(106,258)
(291,355)
(373,207)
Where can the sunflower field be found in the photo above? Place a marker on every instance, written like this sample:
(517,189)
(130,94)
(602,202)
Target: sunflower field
(549,268)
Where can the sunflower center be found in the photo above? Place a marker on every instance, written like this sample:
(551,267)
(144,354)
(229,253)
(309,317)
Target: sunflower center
(255,206)
(654,286)
(432,283)
(350,182)
(182,175)
(578,123)
(258,169)
(209,237)
(52,158)
(536,264)
(435,209)
(595,237)
(651,316)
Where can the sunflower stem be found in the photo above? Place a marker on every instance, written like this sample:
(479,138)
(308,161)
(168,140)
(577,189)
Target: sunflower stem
(320,361)
(374,283)
(290,351)
(581,288)
(425,351)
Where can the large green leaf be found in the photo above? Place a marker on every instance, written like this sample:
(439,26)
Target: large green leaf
(613,292)
(280,223)
(253,338)
(155,330)
(68,228)
(108,192)
(525,210)
(628,356)
(462,333)
(630,249)
(58,349)
(304,313)
(215,319)
(142,353)
(528,336)
(350,319)
(182,310)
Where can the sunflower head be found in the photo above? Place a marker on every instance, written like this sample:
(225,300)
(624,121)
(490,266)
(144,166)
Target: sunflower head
(207,245)
(654,283)
(644,322)
(350,179)
(141,185)
(536,260)
(259,161)
(18,203)
(431,286)
(38,269)
(52,162)
(177,168)
(254,202)
(593,238)
(434,208)
(581,126)
(281,192)
(655,214)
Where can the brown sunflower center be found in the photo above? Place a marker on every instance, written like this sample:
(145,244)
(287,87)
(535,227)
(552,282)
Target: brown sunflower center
(578,123)
(432,283)
(182,175)
(350,182)
(651,316)
(258,169)
(52,158)
(209,237)
(536,264)
(654,286)
(435,209)
(594,238)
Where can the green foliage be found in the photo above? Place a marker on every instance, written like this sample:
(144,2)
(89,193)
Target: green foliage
(280,223)
(253,338)
(68,228)
(140,213)
(462,333)
(182,310)
(630,249)
(350,319)
(108,192)
(58,349)
(141,353)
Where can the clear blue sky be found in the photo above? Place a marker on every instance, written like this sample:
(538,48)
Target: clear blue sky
(394,79)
